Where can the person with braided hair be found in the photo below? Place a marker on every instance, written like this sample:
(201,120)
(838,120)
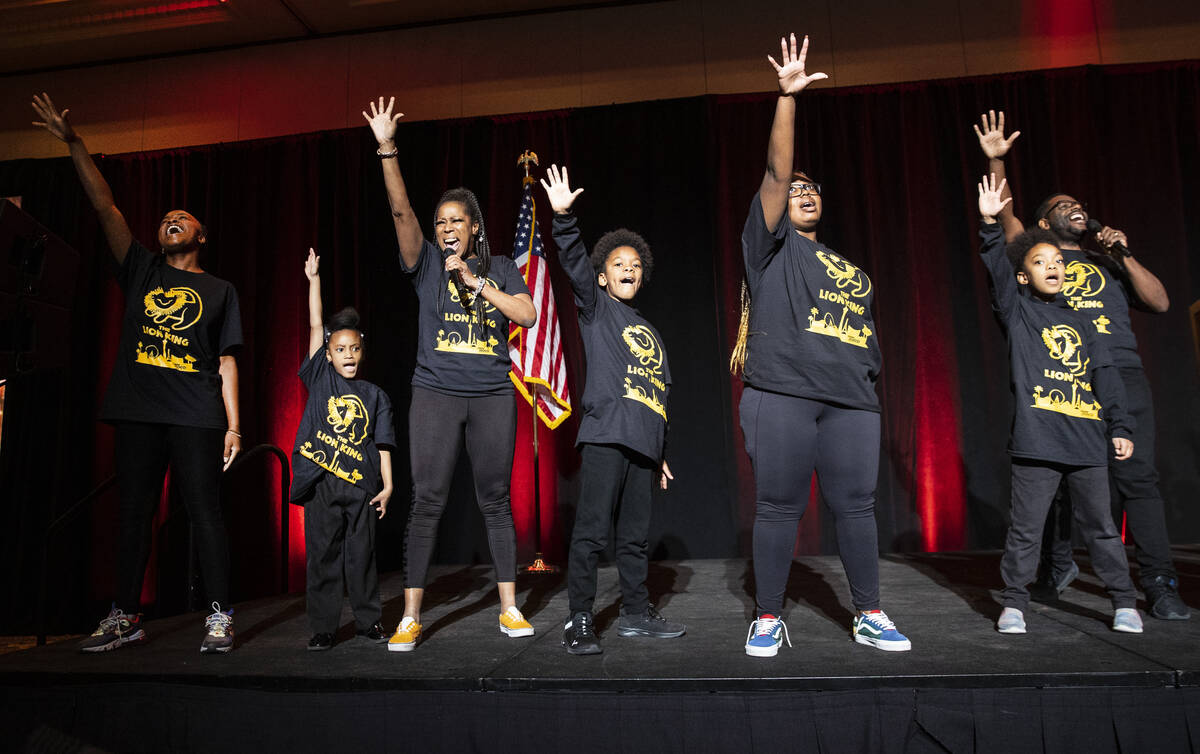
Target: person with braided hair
(811,360)
(461,390)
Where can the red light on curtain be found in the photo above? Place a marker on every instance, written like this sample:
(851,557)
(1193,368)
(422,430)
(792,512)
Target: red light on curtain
(1059,28)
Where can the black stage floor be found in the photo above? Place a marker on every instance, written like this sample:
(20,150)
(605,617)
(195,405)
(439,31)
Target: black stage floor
(1070,660)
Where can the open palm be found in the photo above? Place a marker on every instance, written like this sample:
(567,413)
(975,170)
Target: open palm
(790,67)
(558,190)
(381,120)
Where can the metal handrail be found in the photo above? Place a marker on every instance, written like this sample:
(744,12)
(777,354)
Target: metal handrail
(88,499)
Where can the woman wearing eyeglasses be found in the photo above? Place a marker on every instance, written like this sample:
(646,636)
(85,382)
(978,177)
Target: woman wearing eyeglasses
(809,359)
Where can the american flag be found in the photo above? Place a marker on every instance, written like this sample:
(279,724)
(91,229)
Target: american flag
(539,369)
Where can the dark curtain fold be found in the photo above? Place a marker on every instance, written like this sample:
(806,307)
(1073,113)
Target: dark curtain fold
(898,164)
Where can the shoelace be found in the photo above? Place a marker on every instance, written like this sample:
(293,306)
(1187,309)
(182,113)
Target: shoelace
(881,620)
(584,627)
(762,627)
(218,623)
(113,621)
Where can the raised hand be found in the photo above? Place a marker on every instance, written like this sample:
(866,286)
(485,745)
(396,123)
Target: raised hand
(991,137)
(558,190)
(52,120)
(792,78)
(990,202)
(312,265)
(381,120)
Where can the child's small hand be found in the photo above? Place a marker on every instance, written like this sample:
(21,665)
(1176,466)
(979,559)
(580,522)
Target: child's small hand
(380,501)
(990,203)
(558,190)
(1123,447)
(665,475)
(312,265)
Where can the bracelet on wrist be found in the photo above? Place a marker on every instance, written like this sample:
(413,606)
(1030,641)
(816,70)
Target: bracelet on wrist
(233,432)
(480,287)
(388,155)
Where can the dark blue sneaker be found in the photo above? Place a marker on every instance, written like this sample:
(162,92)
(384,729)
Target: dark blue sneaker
(765,636)
(876,629)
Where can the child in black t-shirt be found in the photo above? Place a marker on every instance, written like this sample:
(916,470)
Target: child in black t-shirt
(1066,390)
(624,422)
(341,472)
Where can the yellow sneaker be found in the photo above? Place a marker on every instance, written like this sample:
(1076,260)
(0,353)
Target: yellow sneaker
(405,638)
(514,624)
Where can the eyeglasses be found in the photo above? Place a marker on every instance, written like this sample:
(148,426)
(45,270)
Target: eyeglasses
(796,189)
(1065,205)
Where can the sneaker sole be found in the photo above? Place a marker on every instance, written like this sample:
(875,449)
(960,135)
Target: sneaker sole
(516,633)
(1128,629)
(762,651)
(215,650)
(1170,615)
(581,651)
(651,634)
(135,640)
(320,649)
(407,647)
(1010,630)
(886,646)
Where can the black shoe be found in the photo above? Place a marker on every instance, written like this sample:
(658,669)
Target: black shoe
(649,623)
(320,643)
(1163,600)
(376,633)
(579,635)
(1050,584)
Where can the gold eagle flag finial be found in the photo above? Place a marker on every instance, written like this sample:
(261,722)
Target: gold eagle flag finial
(525,160)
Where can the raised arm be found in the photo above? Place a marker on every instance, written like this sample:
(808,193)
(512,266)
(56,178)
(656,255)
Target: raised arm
(316,313)
(773,192)
(995,146)
(572,254)
(116,230)
(1147,288)
(408,230)
(1004,284)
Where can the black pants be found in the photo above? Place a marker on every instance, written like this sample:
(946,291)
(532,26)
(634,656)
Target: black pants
(1033,487)
(1134,486)
(339,542)
(787,439)
(437,426)
(612,479)
(143,452)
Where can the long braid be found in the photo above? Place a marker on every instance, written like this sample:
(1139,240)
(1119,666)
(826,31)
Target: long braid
(737,359)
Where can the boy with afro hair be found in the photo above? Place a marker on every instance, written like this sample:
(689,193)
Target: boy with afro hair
(622,433)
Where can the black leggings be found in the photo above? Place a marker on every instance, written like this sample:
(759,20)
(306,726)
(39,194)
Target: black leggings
(787,438)
(143,452)
(437,424)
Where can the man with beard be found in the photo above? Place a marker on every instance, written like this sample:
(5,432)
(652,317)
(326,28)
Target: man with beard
(1105,284)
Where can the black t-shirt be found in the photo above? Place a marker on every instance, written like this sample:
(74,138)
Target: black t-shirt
(455,355)
(628,377)
(811,330)
(1062,376)
(175,328)
(343,424)
(1096,287)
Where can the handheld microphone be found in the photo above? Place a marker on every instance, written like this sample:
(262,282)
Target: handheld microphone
(1095,226)
(456,278)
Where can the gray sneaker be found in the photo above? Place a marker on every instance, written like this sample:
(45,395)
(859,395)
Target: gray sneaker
(219,626)
(649,623)
(1127,620)
(1011,621)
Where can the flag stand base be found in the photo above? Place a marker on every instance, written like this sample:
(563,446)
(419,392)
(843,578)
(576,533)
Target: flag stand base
(540,566)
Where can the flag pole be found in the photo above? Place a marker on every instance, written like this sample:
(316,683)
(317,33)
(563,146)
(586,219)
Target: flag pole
(539,564)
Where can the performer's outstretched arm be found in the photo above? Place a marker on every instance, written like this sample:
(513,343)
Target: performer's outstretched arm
(116,230)
(995,146)
(773,193)
(408,230)
(316,313)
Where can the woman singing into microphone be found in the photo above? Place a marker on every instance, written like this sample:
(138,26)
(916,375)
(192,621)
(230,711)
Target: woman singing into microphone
(460,387)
